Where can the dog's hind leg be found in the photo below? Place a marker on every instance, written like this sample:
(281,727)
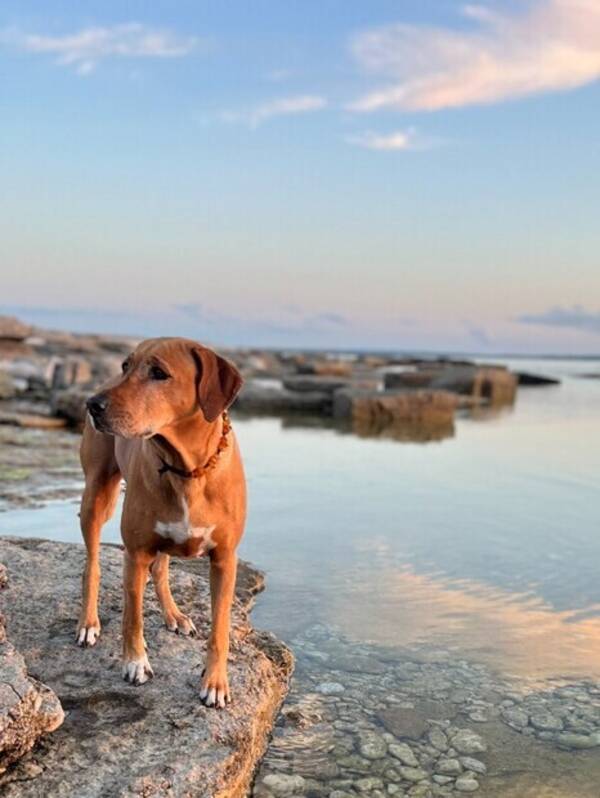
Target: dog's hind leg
(175,620)
(102,481)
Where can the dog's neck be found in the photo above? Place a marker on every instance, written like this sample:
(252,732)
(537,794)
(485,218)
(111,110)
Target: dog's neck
(184,448)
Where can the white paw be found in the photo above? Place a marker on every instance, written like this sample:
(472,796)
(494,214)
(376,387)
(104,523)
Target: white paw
(181,625)
(87,636)
(137,671)
(215,696)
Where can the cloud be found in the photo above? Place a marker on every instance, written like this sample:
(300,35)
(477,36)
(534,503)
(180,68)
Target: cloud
(386,142)
(284,106)
(478,334)
(86,48)
(550,45)
(575,318)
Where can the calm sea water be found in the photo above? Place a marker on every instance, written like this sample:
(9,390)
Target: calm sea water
(468,543)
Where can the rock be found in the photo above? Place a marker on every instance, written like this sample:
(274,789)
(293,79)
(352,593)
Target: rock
(331,688)
(326,368)
(470,763)
(448,767)
(311,383)
(32,421)
(578,741)
(545,721)
(372,746)
(11,329)
(269,400)
(388,407)
(28,709)
(409,723)
(370,783)
(404,753)
(356,663)
(515,716)
(466,784)
(494,384)
(8,388)
(468,742)
(154,740)
(442,780)
(412,774)
(70,405)
(526,378)
(282,784)
(438,739)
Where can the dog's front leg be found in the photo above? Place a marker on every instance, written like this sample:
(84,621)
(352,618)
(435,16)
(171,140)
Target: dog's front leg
(215,686)
(136,668)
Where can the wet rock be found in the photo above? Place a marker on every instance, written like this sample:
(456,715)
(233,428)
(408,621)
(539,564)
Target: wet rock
(468,742)
(388,408)
(404,753)
(409,723)
(515,716)
(413,774)
(438,739)
(545,721)
(578,741)
(526,378)
(368,784)
(470,763)
(448,767)
(135,741)
(331,688)
(372,746)
(282,784)
(466,784)
(356,663)
(258,398)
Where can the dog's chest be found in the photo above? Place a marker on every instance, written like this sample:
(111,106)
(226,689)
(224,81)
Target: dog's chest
(195,537)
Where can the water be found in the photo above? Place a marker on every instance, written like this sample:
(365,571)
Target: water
(483,547)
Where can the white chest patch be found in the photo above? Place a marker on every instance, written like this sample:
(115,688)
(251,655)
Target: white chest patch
(182,531)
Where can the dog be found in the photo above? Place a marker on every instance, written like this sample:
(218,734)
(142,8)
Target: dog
(162,426)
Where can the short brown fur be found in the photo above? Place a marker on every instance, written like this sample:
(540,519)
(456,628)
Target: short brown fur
(134,424)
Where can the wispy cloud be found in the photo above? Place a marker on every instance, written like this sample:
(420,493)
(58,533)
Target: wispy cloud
(575,318)
(398,141)
(283,106)
(86,48)
(547,46)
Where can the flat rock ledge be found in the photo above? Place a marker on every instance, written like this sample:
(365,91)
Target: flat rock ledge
(116,739)
(28,709)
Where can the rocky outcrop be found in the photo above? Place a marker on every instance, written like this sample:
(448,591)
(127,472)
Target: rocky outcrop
(11,329)
(119,740)
(493,384)
(257,398)
(28,709)
(389,407)
(527,378)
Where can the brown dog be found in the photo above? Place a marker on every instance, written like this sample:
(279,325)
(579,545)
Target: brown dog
(163,427)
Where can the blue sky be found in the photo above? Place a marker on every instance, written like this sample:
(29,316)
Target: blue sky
(409,174)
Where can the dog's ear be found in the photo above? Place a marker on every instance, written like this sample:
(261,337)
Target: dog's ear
(217,384)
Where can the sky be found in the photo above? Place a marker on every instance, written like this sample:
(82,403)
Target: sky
(397,174)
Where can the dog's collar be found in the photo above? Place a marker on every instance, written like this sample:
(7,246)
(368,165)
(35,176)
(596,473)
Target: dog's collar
(212,461)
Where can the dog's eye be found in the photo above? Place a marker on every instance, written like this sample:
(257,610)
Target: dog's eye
(124,366)
(156,373)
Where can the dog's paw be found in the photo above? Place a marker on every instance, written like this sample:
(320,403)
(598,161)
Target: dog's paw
(214,689)
(137,671)
(87,634)
(180,624)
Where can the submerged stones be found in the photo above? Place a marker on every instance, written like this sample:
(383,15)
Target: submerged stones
(402,725)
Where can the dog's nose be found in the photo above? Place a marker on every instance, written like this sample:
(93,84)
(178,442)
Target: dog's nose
(97,404)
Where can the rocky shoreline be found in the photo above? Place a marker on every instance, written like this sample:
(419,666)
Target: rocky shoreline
(46,375)
(118,740)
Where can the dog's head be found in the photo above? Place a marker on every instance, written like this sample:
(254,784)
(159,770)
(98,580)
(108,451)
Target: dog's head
(165,380)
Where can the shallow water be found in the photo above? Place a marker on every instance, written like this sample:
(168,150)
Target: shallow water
(483,547)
